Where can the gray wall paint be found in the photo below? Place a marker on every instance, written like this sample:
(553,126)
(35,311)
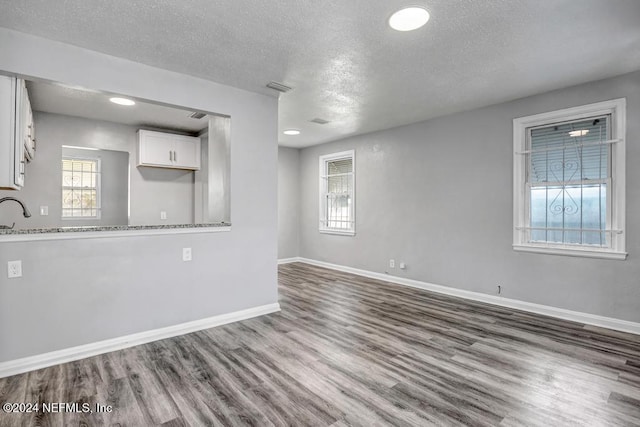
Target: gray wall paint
(438,196)
(75,292)
(113,187)
(156,189)
(212,180)
(152,189)
(43,188)
(288,202)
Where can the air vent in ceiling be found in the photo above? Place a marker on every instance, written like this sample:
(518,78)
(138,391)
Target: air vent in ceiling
(279,87)
(319,121)
(197,115)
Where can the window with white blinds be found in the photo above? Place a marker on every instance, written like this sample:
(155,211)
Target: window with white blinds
(337,193)
(569,181)
(80,188)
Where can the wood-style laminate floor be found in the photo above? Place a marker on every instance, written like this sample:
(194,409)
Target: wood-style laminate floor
(347,350)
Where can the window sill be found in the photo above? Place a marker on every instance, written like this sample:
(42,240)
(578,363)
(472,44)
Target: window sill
(576,252)
(337,232)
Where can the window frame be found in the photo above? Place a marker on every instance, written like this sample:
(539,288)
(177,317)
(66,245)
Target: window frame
(616,249)
(98,189)
(322,174)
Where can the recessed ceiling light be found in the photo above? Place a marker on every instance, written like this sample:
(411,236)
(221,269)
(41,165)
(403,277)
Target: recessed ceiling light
(581,132)
(122,101)
(291,132)
(409,18)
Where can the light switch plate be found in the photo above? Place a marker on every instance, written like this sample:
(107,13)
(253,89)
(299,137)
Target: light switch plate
(44,210)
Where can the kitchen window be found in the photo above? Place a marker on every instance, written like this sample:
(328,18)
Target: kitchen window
(80,188)
(337,193)
(569,181)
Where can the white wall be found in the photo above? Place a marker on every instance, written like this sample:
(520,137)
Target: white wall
(438,196)
(75,292)
(288,202)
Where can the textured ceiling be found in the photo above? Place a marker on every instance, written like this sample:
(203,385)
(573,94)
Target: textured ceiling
(345,64)
(70,101)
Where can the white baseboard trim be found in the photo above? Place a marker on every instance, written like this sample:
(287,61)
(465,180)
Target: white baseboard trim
(289,260)
(561,313)
(32,363)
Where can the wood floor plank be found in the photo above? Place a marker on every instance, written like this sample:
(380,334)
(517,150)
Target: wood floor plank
(49,385)
(198,401)
(156,404)
(353,351)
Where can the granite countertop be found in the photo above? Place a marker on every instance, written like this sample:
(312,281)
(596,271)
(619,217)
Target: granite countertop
(110,228)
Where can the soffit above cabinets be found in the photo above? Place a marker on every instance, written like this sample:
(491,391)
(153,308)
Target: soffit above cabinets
(343,61)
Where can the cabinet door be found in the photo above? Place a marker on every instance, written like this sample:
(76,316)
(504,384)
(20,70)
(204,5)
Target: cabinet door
(186,154)
(29,129)
(166,150)
(20,132)
(155,149)
(11,146)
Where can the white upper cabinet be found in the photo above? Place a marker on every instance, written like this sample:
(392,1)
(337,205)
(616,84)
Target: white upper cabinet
(28,126)
(166,150)
(12,153)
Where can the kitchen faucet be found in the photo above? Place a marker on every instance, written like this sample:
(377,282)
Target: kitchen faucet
(25,211)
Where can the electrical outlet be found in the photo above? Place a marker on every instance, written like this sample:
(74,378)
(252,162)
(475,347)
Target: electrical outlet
(186,254)
(392,263)
(14,269)
(403,266)
(163,215)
